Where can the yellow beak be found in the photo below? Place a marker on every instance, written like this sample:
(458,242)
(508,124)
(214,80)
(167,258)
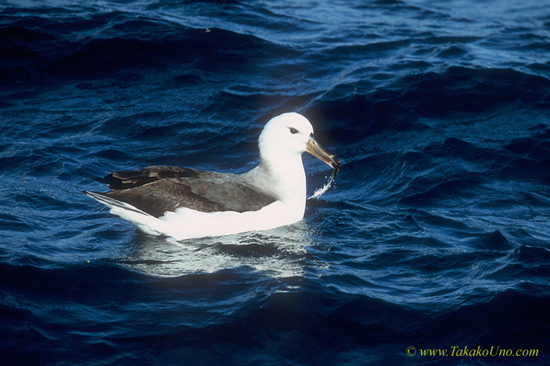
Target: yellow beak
(316,150)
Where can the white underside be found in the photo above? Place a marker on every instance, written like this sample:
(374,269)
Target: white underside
(185,223)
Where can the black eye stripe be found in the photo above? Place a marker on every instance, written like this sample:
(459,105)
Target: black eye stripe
(293,130)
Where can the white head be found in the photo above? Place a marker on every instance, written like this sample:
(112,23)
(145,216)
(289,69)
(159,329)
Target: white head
(286,134)
(289,135)
(282,142)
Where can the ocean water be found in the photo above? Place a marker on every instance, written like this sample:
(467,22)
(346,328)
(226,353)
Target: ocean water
(431,248)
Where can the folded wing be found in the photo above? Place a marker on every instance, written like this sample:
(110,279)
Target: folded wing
(158,189)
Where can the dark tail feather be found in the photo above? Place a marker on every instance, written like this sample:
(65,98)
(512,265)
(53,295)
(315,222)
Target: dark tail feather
(112,202)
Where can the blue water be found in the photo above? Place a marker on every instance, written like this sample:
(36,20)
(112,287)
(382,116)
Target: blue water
(436,233)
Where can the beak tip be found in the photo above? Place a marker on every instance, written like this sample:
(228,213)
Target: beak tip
(336,164)
(317,151)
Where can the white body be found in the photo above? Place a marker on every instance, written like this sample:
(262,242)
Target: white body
(185,223)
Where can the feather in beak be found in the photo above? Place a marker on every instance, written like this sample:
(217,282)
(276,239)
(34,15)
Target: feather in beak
(316,150)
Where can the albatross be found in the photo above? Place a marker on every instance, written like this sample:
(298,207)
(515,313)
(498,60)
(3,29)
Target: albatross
(185,203)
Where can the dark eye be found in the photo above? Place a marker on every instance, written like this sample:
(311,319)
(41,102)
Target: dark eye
(293,130)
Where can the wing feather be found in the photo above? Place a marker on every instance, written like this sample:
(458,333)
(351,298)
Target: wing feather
(135,178)
(157,189)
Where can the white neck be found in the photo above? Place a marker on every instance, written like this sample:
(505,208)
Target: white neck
(283,178)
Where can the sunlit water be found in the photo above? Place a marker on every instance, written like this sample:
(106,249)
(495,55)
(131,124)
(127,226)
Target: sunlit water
(434,235)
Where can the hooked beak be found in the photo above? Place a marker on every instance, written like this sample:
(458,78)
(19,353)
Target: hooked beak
(316,150)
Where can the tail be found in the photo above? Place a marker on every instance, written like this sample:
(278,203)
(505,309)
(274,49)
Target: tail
(142,220)
(114,204)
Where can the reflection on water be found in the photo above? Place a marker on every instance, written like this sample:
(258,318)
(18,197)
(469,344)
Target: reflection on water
(280,252)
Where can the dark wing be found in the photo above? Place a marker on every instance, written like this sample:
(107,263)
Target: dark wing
(135,178)
(155,192)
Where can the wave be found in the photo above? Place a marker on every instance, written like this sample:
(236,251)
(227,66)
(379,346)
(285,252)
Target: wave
(434,234)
